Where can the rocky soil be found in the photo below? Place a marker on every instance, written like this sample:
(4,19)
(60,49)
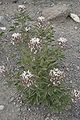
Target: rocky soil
(11,105)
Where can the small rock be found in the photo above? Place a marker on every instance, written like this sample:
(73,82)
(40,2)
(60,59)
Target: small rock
(75,28)
(48,115)
(14,1)
(77,67)
(3,20)
(71,81)
(52,4)
(37,108)
(47,118)
(3,28)
(29,109)
(1,107)
(1,3)
(75,17)
(25,2)
(57,11)
(11,100)
(14,103)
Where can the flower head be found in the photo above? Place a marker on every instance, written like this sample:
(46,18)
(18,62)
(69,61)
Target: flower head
(27,78)
(41,18)
(76,93)
(16,35)
(55,72)
(3,28)
(2,69)
(62,40)
(35,45)
(16,38)
(56,75)
(27,29)
(21,7)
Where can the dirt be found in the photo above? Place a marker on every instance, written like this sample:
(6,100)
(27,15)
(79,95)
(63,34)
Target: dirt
(14,109)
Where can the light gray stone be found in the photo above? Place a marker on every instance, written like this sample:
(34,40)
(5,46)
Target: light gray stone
(47,118)
(1,107)
(1,3)
(11,99)
(3,20)
(59,11)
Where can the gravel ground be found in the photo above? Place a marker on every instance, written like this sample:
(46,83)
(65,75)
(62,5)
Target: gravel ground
(13,109)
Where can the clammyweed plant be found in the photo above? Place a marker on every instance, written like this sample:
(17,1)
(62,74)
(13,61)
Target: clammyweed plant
(39,78)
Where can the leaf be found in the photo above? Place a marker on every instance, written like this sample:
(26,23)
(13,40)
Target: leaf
(1,34)
(12,28)
(75,17)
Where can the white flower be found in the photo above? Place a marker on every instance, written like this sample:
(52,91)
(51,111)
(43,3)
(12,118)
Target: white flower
(15,38)
(27,78)
(41,18)
(35,45)
(76,95)
(62,40)
(3,28)
(23,75)
(35,40)
(27,29)
(2,69)
(56,75)
(16,35)
(29,73)
(75,17)
(55,72)
(21,7)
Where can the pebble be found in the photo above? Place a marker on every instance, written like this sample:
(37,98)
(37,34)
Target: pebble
(3,28)
(77,67)
(3,20)
(1,3)
(75,17)
(71,81)
(14,103)
(75,28)
(58,12)
(11,100)
(29,109)
(1,107)
(52,4)
(14,1)
(48,114)
(47,118)
(25,2)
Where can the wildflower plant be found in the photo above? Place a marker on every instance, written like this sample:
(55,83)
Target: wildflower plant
(40,77)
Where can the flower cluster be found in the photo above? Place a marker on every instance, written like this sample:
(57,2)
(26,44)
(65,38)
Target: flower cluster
(56,75)
(41,19)
(3,28)
(27,29)
(27,78)
(21,8)
(35,45)
(2,69)
(76,94)
(62,40)
(16,37)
